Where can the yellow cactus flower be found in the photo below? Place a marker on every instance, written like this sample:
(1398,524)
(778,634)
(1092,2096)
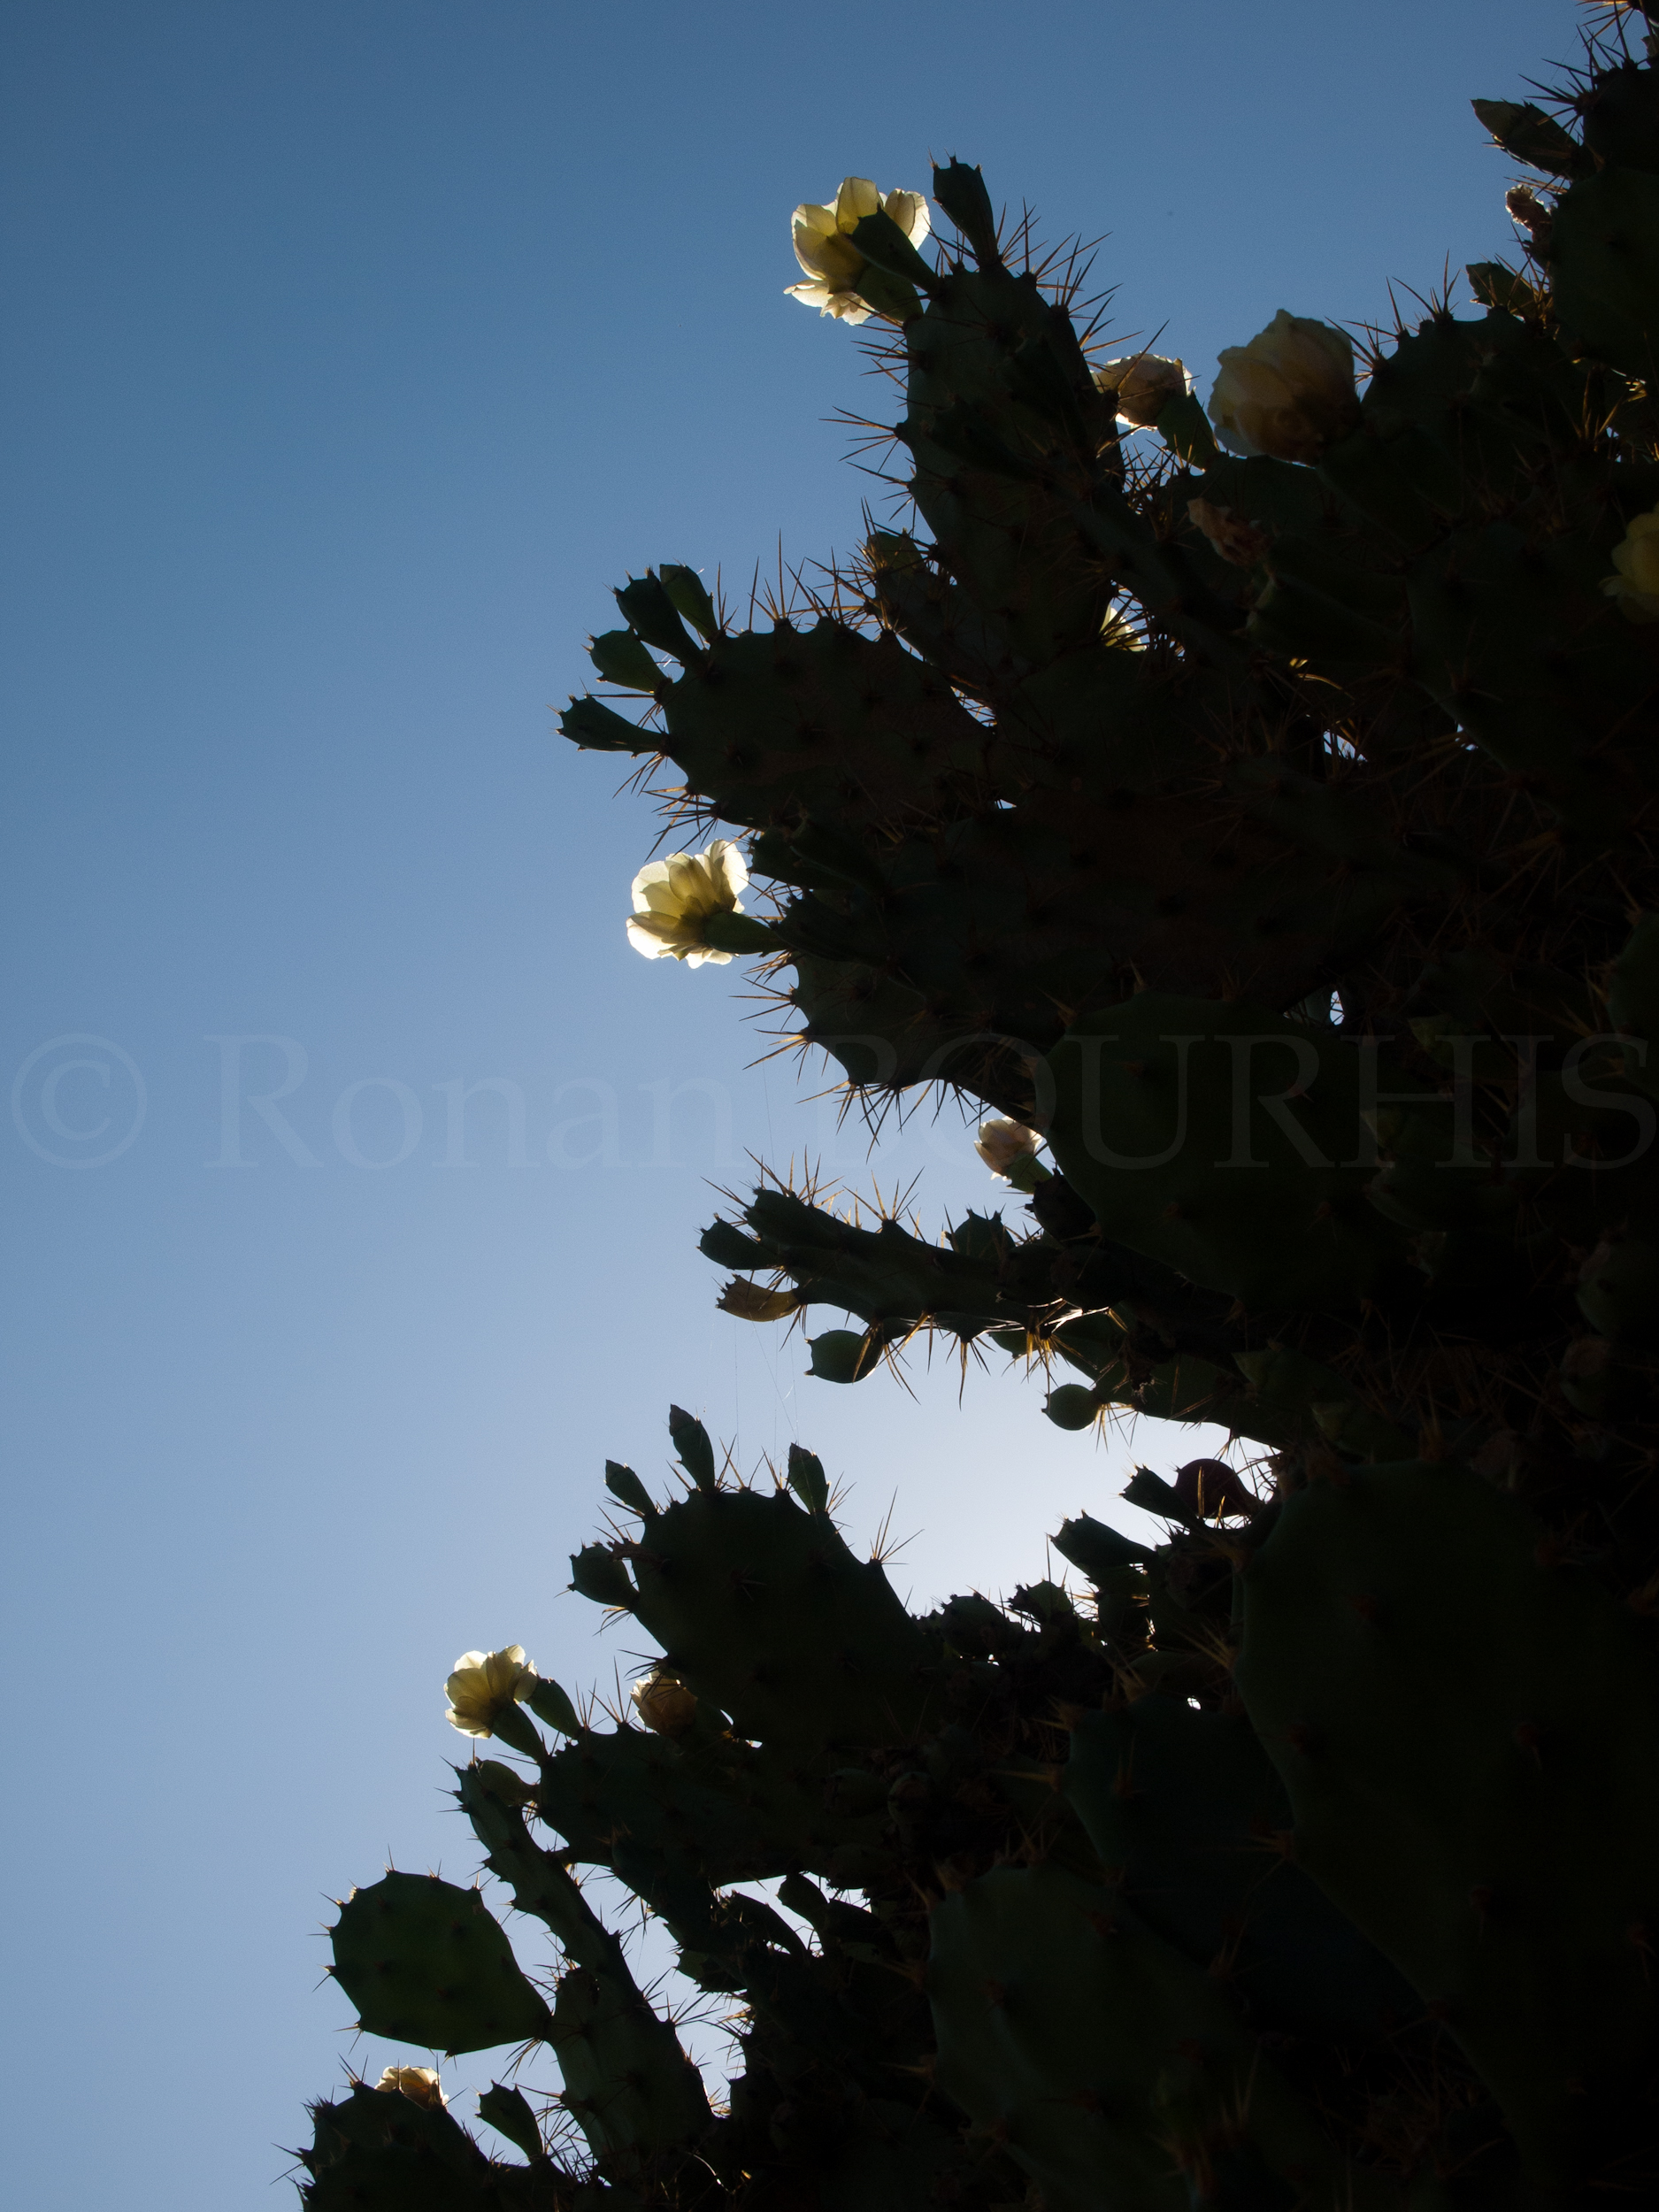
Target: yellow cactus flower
(1002,1145)
(824,246)
(673,898)
(1636,559)
(485,1686)
(749,1302)
(1140,383)
(1289,393)
(418,2083)
(664,1703)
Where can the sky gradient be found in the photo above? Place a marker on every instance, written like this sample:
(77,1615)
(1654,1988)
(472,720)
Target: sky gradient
(355,352)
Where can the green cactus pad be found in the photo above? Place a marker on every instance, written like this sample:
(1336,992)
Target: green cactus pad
(598,1575)
(1604,265)
(425,1963)
(1188,1810)
(1070,2032)
(762,1608)
(730,1810)
(806,1477)
(691,1442)
(1460,1724)
(508,2111)
(376,2151)
(1531,136)
(1221,1140)
(630,2089)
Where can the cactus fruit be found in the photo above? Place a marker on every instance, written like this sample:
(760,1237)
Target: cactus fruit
(1270,833)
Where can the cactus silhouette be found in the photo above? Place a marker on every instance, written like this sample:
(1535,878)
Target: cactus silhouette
(1272,830)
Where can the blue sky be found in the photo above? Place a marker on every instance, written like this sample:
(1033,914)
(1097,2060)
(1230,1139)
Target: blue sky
(355,352)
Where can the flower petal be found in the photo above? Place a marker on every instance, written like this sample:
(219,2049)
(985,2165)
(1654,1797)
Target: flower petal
(727,866)
(1635,588)
(909,210)
(655,935)
(687,880)
(1289,392)
(1140,383)
(1002,1142)
(837,260)
(857,198)
(655,872)
(818,255)
(419,2084)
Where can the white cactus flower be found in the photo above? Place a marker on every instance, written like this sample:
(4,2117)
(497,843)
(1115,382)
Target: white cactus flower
(824,246)
(1141,384)
(664,1703)
(1289,393)
(1002,1145)
(673,898)
(1636,559)
(483,1685)
(418,2083)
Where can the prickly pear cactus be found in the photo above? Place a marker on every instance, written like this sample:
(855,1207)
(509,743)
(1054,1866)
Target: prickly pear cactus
(1254,810)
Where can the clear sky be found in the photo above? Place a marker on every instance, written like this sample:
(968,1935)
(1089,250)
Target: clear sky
(354,348)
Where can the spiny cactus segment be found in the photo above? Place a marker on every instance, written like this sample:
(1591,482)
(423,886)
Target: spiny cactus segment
(1251,811)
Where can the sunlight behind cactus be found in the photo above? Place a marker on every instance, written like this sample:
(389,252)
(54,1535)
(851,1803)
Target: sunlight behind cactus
(1309,1858)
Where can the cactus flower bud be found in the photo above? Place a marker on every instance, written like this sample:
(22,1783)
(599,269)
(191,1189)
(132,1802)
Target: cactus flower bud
(1002,1145)
(673,898)
(1289,393)
(1141,384)
(418,2083)
(1636,559)
(664,1703)
(824,246)
(484,1687)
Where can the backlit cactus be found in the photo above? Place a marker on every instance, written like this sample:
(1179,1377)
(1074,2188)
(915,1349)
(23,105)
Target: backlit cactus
(1272,832)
